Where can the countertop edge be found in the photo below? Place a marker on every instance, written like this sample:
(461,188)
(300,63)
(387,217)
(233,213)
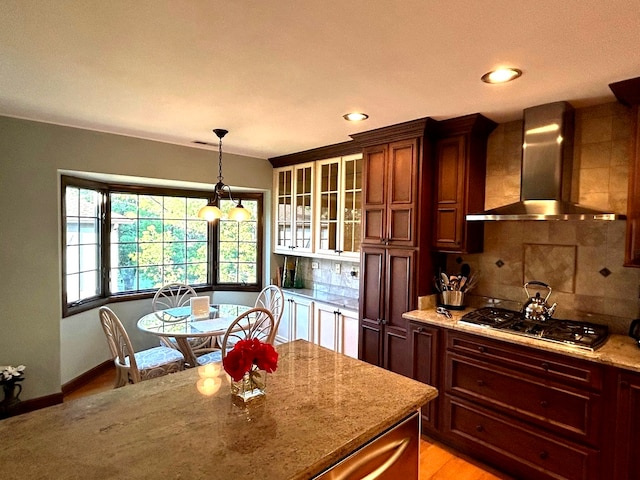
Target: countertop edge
(618,351)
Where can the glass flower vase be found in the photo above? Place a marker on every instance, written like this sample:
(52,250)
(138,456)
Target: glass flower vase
(252,385)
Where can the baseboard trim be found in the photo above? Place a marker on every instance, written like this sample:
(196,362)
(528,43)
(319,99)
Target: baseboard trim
(86,377)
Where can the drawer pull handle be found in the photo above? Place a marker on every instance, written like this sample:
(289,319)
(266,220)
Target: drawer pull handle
(482,349)
(544,404)
(480,383)
(545,366)
(421,330)
(624,384)
(479,428)
(544,455)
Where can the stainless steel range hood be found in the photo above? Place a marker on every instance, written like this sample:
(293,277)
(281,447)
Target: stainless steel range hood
(547,162)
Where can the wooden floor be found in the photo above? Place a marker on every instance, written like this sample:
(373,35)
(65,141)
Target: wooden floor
(437,462)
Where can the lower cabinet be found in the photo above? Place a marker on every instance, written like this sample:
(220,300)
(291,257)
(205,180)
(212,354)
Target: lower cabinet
(297,319)
(627,438)
(336,329)
(531,413)
(387,290)
(424,362)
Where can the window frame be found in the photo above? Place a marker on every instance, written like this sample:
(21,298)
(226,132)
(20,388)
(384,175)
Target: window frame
(105,189)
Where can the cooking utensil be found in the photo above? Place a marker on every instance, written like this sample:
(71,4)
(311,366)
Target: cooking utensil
(445,280)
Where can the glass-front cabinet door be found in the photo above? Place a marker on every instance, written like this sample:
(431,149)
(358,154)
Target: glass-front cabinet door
(294,209)
(338,196)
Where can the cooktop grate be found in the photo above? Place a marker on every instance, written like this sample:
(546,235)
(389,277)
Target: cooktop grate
(584,335)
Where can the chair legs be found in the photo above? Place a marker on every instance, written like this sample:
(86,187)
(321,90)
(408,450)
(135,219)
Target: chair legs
(122,377)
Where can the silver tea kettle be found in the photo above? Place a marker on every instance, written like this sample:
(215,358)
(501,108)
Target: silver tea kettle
(537,308)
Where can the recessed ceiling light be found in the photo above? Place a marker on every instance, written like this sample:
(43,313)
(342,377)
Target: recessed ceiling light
(501,75)
(355,116)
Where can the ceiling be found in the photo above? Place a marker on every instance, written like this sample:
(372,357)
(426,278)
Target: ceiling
(279,74)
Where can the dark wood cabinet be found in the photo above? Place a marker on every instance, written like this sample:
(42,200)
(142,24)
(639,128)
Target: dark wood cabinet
(425,351)
(460,169)
(388,278)
(628,93)
(528,412)
(396,232)
(390,193)
(627,434)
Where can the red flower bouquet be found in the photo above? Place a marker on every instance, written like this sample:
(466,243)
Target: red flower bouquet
(249,355)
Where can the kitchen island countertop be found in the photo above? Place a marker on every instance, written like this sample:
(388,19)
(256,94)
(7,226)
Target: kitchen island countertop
(320,406)
(618,351)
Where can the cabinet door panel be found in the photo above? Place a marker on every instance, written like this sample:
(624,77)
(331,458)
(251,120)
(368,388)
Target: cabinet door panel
(627,427)
(369,348)
(402,203)
(284,328)
(399,287)
(326,326)
(570,412)
(523,450)
(372,273)
(450,168)
(396,354)
(374,194)
(303,319)
(349,326)
(425,357)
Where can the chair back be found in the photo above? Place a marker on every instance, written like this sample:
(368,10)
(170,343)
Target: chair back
(255,323)
(172,295)
(271,298)
(119,343)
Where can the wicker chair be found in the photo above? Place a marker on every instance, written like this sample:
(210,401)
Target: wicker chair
(272,299)
(175,295)
(134,367)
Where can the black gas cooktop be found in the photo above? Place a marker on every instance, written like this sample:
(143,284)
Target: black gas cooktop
(583,335)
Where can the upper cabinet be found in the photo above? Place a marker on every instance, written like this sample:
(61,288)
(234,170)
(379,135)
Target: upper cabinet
(460,170)
(293,215)
(339,203)
(391,193)
(628,93)
(317,203)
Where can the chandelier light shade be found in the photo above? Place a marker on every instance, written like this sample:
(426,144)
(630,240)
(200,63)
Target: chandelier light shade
(211,211)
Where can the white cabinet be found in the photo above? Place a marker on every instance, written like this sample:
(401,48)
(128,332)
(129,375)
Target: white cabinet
(336,329)
(338,206)
(293,208)
(297,319)
(317,208)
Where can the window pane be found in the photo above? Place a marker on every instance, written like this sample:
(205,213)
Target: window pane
(156,239)
(238,251)
(82,279)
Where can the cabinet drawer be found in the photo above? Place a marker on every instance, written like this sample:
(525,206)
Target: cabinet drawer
(523,450)
(541,364)
(568,411)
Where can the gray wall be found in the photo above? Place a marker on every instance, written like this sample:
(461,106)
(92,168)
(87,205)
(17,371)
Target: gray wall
(32,157)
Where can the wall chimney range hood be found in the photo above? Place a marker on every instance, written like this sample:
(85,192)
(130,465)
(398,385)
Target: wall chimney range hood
(547,162)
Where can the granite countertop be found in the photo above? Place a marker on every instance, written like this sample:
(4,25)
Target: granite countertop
(319,407)
(325,297)
(618,351)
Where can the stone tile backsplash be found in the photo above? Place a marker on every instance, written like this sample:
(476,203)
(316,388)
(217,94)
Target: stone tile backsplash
(325,279)
(600,176)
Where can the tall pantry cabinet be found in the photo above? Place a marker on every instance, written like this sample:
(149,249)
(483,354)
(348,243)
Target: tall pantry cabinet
(395,260)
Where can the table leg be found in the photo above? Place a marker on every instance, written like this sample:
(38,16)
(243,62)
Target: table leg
(185,348)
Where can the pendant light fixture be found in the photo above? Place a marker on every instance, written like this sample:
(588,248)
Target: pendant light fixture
(211,211)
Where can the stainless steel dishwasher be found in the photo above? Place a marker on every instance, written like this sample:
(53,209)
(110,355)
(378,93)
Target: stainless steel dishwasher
(392,455)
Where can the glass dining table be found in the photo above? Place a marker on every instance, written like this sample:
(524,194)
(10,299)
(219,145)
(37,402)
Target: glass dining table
(178,323)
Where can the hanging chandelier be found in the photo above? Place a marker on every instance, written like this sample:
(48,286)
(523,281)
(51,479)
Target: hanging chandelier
(211,211)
